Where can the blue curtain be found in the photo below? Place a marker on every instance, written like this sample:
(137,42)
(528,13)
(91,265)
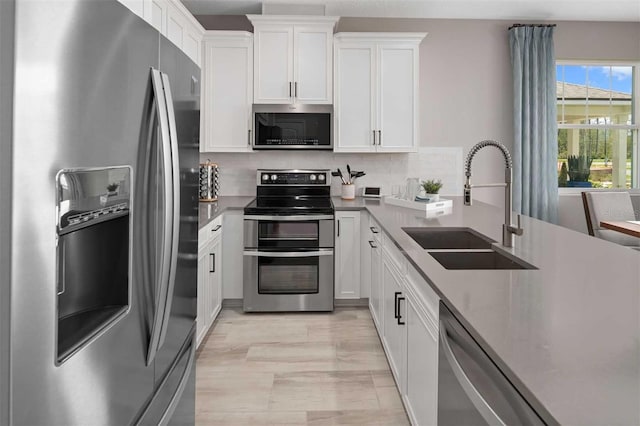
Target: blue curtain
(535,176)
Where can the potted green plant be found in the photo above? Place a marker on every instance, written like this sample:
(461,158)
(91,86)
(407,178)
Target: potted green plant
(579,170)
(112,189)
(431,187)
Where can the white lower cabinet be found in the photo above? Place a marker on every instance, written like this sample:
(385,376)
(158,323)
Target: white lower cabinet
(209,278)
(347,255)
(405,311)
(420,393)
(394,319)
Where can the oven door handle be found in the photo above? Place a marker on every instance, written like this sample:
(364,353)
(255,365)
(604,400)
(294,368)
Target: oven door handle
(325,252)
(308,217)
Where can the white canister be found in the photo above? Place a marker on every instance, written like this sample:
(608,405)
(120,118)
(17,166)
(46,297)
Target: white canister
(348,191)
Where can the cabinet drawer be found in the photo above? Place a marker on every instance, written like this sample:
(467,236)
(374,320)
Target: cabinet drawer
(423,292)
(394,254)
(211,230)
(375,231)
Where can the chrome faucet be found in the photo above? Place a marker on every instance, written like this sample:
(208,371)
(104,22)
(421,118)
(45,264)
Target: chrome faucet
(508,230)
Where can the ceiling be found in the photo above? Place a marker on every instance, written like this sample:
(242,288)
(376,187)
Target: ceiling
(556,10)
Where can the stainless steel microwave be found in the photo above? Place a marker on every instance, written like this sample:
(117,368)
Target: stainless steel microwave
(293,127)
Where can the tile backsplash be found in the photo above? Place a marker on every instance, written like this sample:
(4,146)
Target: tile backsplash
(238,170)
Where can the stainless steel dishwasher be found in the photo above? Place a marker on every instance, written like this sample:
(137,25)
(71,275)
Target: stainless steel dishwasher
(471,388)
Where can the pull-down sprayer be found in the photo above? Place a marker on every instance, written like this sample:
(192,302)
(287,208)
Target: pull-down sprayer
(508,230)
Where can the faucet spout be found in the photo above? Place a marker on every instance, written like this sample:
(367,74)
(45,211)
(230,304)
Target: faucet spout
(508,230)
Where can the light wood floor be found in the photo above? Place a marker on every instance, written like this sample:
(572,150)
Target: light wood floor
(295,369)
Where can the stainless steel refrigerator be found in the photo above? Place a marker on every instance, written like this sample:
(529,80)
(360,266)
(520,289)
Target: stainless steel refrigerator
(99,137)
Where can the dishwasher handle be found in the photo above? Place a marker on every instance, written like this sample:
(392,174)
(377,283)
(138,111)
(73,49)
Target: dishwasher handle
(483,407)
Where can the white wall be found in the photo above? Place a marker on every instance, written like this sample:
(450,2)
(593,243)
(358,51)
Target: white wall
(465,92)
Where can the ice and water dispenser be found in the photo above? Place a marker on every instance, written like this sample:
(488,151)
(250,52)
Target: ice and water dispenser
(93,253)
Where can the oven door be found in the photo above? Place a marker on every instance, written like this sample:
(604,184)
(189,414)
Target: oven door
(299,280)
(289,233)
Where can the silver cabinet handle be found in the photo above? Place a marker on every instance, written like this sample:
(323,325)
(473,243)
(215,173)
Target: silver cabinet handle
(295,89)
(289,89)
(256,253)
(373,229)
(249,137)
(213,263)
(338,227)
(488,414)
(372,245)
(216,228)
(379,137)
(374,137)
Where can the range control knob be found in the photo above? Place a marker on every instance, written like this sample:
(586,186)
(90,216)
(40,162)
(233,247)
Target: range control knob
(312,178)
(321,177)
(274,177)
(265,177)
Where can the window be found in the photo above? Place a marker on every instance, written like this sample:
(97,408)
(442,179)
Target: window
(598,124)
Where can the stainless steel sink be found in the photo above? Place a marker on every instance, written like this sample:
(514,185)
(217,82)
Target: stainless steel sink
(449,238)
(478,260)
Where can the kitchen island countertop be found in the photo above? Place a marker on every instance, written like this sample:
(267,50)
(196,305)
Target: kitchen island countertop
(566,334)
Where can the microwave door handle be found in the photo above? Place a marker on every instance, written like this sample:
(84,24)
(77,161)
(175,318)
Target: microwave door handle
(289,254)
(165,257)
(175,207)
(483,407)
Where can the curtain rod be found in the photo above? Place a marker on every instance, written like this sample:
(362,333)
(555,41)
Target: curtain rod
(531,25)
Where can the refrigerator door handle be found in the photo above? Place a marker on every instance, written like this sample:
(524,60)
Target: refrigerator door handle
(164,263)
(175,215)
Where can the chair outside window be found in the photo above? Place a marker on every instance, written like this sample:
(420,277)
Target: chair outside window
(612,206)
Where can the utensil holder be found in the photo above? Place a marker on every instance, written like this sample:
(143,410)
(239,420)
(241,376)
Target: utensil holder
(348,191)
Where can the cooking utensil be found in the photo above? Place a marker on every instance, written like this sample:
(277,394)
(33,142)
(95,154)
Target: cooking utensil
(341,177)
(349,173)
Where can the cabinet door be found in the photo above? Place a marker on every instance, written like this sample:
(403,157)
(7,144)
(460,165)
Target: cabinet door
(313,64)
(398,98)
(159,11)
(375,300)
(175,26)
(394,333)
(421,390)
(347,255)
(227,93)
(203,276)
(355,100)
(273,59)
(191,44)
(214,281)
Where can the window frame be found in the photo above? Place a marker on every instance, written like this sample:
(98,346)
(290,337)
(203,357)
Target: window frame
(635,82)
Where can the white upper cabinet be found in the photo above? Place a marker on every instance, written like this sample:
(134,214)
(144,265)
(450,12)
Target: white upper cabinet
(226,91)
(173,21)
(293,59)
(376,92)
(142,8)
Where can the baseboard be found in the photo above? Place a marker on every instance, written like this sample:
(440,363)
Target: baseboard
(351,303)
(232,303)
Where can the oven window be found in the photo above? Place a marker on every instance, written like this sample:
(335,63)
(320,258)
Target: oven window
(297,275)
(288,234)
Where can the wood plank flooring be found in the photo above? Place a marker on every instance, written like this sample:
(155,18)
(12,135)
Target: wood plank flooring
(295,369)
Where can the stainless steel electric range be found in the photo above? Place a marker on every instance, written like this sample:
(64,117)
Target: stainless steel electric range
(288,242)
